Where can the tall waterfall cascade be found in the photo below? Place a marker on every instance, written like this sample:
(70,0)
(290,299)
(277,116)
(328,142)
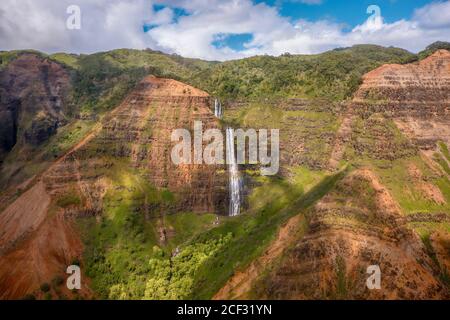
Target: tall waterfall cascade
(235,179)
(218,111)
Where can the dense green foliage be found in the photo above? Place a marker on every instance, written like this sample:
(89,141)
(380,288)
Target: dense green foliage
(334,75)
(125,259)
(102,80)
(174,278)
(432,48)
(7,56)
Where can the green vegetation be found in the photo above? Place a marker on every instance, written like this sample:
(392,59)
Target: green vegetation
(102,80)
(333,75)
(126,259)
(66,59)
(121,249)
(253,232)
(309,131)
(173,279)
(444,150)
(68,199)
(432,48)
(442,162)
(17,167)
(6,57)
(407,188)
(444,275)
(139,249)
(378,138)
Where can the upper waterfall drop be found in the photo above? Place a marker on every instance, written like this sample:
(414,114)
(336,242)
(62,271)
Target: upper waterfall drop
(218,112)
(235,179)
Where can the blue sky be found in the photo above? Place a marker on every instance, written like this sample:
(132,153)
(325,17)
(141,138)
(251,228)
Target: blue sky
(351,12)
(222,29)
(347,14)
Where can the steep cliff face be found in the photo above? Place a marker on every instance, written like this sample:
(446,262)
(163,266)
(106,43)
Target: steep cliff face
(425,81)
(132,143)
(33,91)
(138,135)
(390,212)
(416,96)
(354,227)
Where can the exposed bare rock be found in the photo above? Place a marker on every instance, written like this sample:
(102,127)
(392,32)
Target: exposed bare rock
(425,81)
(416,96)
(33,92)
(440,244)
(352,228)
(137,134)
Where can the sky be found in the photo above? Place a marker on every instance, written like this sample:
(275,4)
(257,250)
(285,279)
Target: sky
(221,29)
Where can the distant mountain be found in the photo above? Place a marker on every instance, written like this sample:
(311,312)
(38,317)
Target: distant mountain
(432,48)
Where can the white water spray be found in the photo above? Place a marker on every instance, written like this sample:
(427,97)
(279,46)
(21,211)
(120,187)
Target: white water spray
(218,112)
(234,176)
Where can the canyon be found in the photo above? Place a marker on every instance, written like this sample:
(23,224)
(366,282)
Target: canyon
(346,235)
(362,182)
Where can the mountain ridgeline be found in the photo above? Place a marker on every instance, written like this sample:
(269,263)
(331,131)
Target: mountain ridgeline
(87,179)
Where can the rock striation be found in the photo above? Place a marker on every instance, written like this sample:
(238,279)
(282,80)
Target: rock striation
(416,96)
(134,137)
(354,227)
(33,95)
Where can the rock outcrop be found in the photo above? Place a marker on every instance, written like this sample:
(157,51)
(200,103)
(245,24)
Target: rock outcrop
(425,81)
(138,133)
(416,96)
(33,92)
(134,137)
(354,227)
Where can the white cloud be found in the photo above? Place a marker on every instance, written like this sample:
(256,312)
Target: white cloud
(109,24)
(105,25)
(435,15)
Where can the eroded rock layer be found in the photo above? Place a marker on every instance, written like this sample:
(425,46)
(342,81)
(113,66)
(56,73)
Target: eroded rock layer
(138,134)
(33,91)
(356,226)
(425,81)
(416,96)
(132,142)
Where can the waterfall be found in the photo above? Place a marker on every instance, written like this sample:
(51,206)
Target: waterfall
(218,112)
(235,179)
(234,176)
